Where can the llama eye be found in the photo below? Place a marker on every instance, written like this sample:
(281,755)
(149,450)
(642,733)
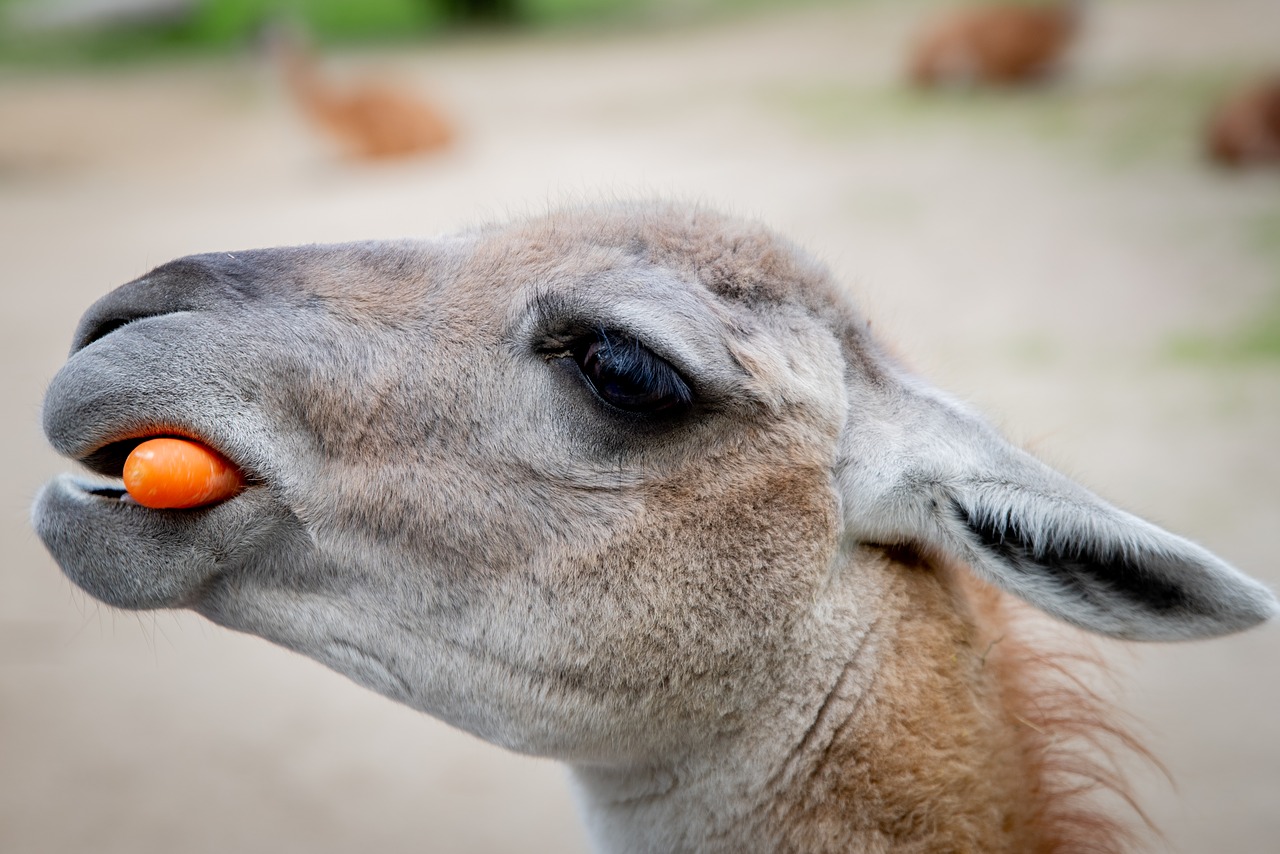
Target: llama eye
(625,374)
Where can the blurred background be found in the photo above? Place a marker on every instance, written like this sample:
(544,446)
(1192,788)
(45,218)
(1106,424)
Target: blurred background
(1052,240)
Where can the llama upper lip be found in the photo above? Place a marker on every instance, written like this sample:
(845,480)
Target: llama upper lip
(127,388)
(144,379)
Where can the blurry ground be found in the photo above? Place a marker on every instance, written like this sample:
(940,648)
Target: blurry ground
(1060,258)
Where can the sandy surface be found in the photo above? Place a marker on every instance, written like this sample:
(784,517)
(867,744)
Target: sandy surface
(1040,255)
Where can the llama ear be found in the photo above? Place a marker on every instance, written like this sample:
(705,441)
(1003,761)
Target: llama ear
(945,480)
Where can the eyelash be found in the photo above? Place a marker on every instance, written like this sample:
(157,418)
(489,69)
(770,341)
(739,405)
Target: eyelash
(628,376)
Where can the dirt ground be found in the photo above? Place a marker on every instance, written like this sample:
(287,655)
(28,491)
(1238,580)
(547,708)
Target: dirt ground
(1061,258)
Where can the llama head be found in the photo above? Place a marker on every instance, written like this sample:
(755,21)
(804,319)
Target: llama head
(574,484)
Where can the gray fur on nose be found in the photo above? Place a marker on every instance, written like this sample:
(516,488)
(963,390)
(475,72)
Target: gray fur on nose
(199,282)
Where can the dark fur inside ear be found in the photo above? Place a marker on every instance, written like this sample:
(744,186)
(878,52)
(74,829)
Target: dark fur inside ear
(923,469)
(1085,569)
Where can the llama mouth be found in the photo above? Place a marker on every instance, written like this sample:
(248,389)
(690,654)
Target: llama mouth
(136,557)
(114,491)
(106,400)
(108,492)
(133,557)
(110,460)
(104,492)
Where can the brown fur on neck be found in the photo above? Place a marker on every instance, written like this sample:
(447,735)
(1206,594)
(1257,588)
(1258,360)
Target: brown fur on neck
(973,737)
(1071,739)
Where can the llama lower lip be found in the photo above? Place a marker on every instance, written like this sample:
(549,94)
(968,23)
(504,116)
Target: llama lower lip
(131,557)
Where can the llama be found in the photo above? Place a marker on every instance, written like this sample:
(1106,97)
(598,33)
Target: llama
(634,487)
(1244,130)
(370,119)
(998,44)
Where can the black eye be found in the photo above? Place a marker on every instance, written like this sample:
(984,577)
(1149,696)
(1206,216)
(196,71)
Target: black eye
(627,375)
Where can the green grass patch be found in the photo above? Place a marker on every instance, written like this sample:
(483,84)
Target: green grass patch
(1121,122)
(212,26)
(219,26)
(1257,341)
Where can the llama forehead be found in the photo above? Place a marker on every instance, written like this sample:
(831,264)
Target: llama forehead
(736,259)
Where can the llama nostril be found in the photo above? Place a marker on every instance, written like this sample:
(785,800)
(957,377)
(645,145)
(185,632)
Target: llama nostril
(196,283)
(101,329)
(95,327)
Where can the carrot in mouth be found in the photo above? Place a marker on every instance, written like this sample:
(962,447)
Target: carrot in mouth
(177,474)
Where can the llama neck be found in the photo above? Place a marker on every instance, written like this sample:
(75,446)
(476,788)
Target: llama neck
(887,738)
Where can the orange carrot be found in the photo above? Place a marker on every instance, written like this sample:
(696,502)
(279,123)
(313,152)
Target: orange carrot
(179,474)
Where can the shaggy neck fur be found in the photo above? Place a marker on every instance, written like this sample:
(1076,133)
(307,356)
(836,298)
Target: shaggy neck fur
(932,727)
